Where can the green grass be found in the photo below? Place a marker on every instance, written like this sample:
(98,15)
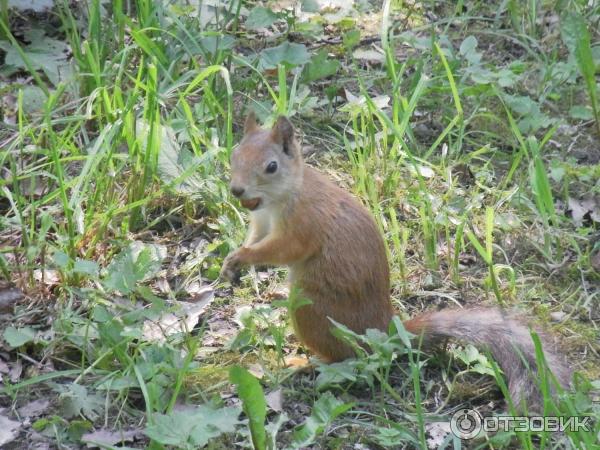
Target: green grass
(469,137)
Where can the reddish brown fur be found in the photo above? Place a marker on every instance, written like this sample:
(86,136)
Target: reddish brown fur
(337,258)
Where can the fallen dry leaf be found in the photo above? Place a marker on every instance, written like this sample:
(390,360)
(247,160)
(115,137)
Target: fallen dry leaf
(280,292)
(16,370)
(256,370)
(8,297)
(296,361)
(46,276)
(106,438)
(9,430)
(437,433)
(34,409)
(275,400)
(587,208)
(183,321)
(595,260)
(370,55)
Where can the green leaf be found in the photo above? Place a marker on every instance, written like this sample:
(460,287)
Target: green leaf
(75,400)
(44,53)
(336,373)
(309,6)
(192,428)
(507,78)
(150,46)
(482,252)
(532,117)
(136,263)
(351,39)
(576,37)
(468,355)
(325,410)
(177,167)
(581,112)
(217,42)
(288,54)
(33,99)
(86,267)
(320,67)
(260,17)
(394,436)
(468,49)
(16,337)
(253,403)
(60,258)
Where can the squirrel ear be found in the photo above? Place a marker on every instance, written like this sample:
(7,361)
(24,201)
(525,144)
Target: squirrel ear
(283,132)
(250,124)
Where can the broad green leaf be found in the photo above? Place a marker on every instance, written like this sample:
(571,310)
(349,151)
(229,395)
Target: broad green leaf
(177,168)
(576,37)
(310,6)
(468,355)
(217,42)
(192,428)
(394,436)
(324,411)
(468,49)
(60,258)
(351,39)
(33,99)
(136,263)
(86,267)
(75,400)
(336,373)
(468,45)
(253,403)
(17,337)
(288,54)
(260,17)
(44,53)
(532,118)
(320,67)
(581,112)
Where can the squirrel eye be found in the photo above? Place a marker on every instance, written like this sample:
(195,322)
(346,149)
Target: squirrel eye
(272,167)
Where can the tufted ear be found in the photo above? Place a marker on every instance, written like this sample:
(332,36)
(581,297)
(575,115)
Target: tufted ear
(250,124)
(283,134)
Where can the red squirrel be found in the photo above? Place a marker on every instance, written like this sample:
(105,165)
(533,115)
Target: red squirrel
(337,258)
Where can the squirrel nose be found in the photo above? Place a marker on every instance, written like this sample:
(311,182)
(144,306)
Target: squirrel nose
(237,191)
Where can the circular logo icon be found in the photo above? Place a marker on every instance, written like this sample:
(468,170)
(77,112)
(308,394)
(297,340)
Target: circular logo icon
(466,423)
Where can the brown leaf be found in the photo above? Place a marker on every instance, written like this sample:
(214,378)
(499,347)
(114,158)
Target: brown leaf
(15,371)
(182,321)
(584,209)
(296,361)
(8,297)
(34,409)
(46,276)
(275,400)
(9,430)
(107,438)
(595,260)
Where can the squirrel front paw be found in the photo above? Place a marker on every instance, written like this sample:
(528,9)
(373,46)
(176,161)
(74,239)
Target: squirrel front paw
(231,268)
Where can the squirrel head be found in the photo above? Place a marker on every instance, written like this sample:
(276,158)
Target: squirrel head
(266,167)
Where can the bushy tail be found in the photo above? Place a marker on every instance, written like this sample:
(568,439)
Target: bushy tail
(508,340)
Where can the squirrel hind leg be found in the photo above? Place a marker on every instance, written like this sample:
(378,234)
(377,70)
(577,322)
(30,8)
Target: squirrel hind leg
(314,331)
